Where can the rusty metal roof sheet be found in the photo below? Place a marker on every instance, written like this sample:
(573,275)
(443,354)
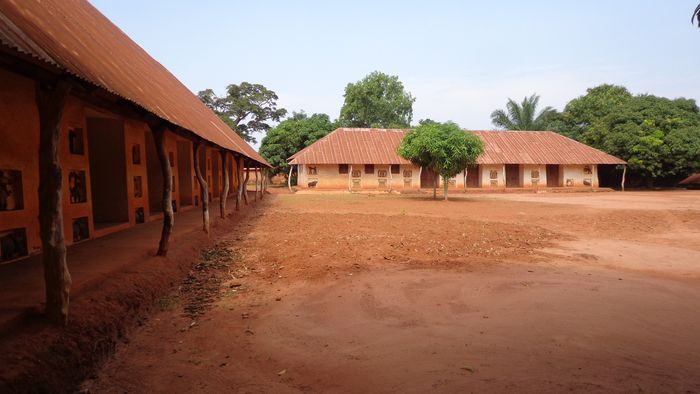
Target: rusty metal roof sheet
(354,146)
(74,36)
(538,147)
(378,146)
(693,179)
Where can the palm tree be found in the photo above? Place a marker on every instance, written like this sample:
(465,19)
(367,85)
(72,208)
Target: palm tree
(523,116)
(696,15)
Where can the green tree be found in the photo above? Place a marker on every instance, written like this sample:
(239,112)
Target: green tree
(378,100)
(523,116)
(582,113)
(442,147)
(291,136)
(246,108)
(658,137)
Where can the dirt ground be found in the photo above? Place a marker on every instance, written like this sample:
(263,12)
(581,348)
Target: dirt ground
(586,292)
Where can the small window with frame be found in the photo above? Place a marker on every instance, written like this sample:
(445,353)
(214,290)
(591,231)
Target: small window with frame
(312,170)
(369,168)
(343,168)
(395,169)
(381,173)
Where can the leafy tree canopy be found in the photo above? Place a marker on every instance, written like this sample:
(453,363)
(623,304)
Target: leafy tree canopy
(523,116)
(246,108)
(658,137)
(443,147)
(291,136)
(378,100)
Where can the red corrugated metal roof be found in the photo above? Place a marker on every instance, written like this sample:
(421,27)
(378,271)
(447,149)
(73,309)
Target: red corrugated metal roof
(378,146)
(354,146)
(538,147)
(76,37)
(693,179)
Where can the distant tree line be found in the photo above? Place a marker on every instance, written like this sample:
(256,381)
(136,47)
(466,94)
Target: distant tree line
(657,136)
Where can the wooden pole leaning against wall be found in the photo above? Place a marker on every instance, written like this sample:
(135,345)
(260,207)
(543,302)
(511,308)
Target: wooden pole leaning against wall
(224,192)
(203,191)
(158,132)
(50,101)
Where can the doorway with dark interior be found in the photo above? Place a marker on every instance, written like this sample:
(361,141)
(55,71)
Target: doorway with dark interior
(428,178)
(184,172)
(107,160)
(154,177)
(473,176)
(553,175)
(512,175)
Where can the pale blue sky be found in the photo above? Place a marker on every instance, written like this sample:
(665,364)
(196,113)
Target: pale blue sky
(460,59)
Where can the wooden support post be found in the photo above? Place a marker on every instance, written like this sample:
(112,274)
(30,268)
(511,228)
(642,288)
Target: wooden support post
(239,171)
(203,187)
(50,101)
(624,173)
(245,181)
(166,170)
(256,183)
(350,179)
(289,179)
(224,192)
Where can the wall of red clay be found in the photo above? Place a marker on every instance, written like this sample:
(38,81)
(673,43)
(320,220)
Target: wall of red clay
(19,133)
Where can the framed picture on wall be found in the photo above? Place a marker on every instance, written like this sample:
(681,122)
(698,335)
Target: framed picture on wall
(81,231)
(11,197)
(136,154)
(138,187)
(13,244)
(77,187)
(76,141)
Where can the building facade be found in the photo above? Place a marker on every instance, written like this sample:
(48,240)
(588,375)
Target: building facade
(110,170)
(367,159)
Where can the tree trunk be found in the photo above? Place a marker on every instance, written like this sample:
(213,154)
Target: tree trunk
(445,184)
(166,170)
(245,183)
(239,191)
(263,175)
(203,191)
(224,192)
(50,101)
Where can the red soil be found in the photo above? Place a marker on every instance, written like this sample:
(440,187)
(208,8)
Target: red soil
(350,293)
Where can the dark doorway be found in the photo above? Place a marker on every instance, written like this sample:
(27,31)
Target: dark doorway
(428,178)
(512,175)
(107,172)
(184,172)
(553,175)
(473,176)
(154,176)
